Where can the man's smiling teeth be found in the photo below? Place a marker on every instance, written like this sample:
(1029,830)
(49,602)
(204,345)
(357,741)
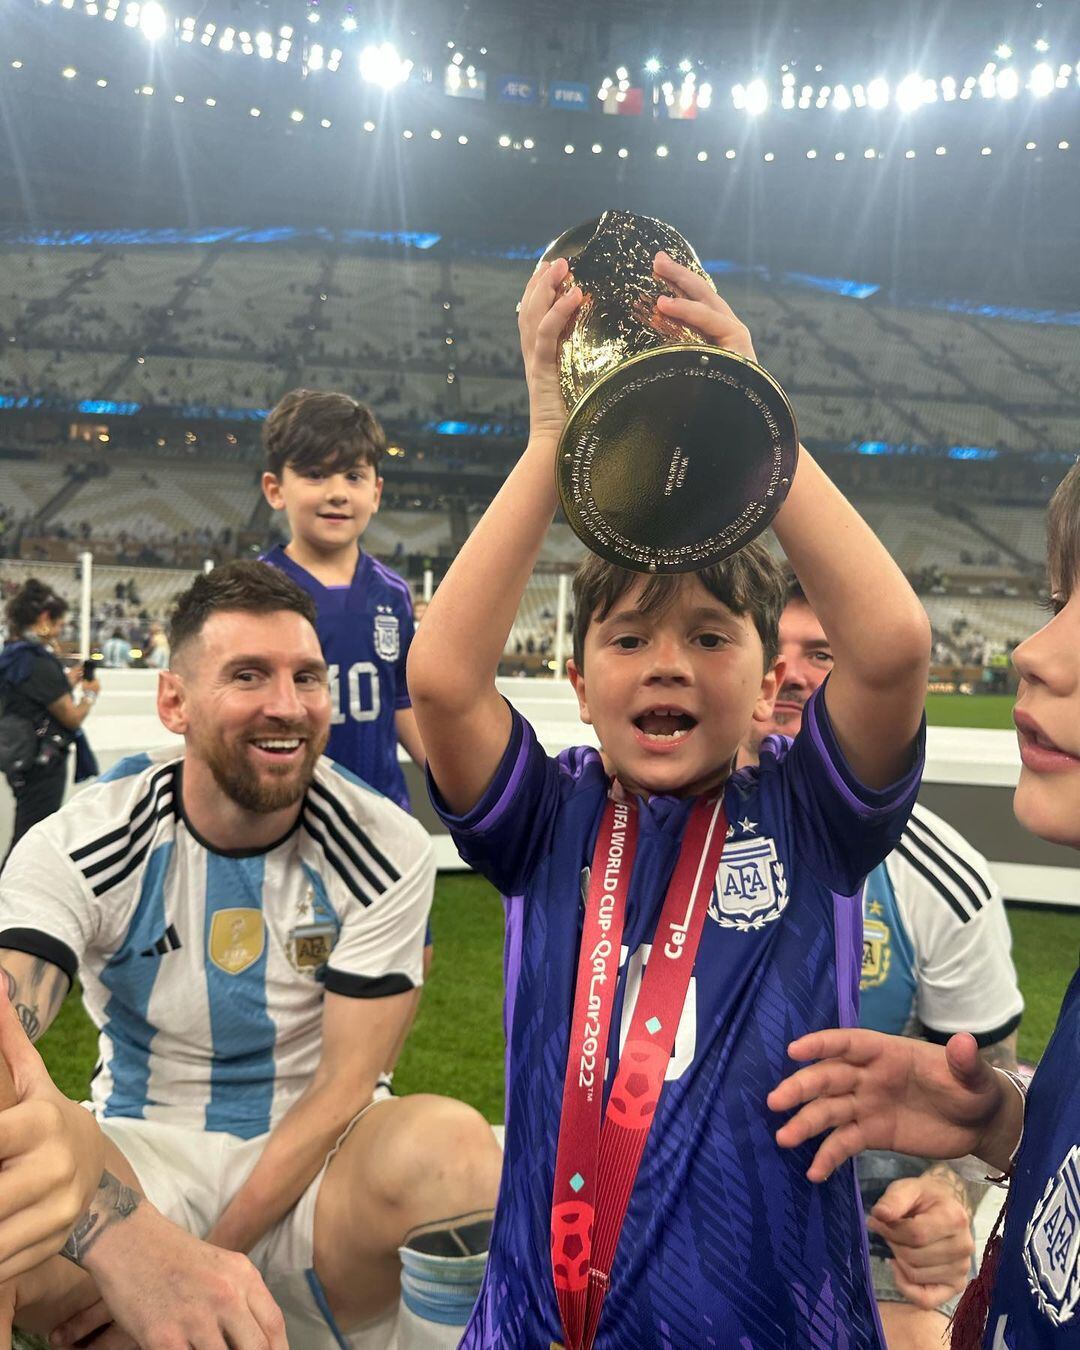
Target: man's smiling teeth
(292,744)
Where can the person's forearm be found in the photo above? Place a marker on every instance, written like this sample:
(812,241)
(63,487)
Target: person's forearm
(874,621)
(458,647)
(1002,1137)
(294,1153)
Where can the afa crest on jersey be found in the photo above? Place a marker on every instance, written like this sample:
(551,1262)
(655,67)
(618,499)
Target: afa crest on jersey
(751,888)
(1052,1243)
(876,953)
(387,634)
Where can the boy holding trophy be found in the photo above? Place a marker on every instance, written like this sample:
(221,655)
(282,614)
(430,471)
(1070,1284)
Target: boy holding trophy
(671,924)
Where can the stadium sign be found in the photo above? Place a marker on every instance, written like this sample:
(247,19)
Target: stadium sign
(516,89)
(563,94)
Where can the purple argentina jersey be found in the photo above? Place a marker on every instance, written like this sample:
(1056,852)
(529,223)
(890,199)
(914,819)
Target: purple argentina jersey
(365,630)
(726,1244)
(1036,1302)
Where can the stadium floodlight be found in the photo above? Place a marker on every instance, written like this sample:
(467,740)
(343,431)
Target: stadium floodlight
(841,99)
(1042,80)
(909,154)
(597,147)
(877,92)
(869,153)
(811,154)
(463,140)
(738,95)
(504,141)
(622,73)
(985,150)
(296,115)
(662,152)
(769,156)
(255,112)
(1008,83)
(909,93)
(211,102)
(568,149)
(101,84)
(623,152)
(704,96)
(948,88)
(69,72)
(757,97)
(349,23)
(369,126)
(729,154)
(1003,51)
(528,143)
(436,134)
(153,21)
(383,65)
(702,155)
(1063,145)
(686,65)
(325,122)
(839,156)
(315,57)
(652,65)
(941,150)
(407,134)
(1030,145)
(1041,45)
(178,98)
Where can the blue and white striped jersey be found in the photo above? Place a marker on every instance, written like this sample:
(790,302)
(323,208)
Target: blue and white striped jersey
(205,971)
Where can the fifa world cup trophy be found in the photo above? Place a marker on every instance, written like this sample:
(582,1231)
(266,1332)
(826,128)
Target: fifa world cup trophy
(676,453)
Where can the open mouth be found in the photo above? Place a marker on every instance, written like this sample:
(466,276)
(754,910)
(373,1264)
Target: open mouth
(333,515)
(665,726)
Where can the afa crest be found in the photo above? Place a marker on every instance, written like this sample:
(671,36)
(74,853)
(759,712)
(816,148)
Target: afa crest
(1052,1243)
(751,887)
(876,954)
(237,939)
(387,634)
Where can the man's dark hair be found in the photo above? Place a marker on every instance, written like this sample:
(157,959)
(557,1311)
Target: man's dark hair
(749,582)
(312,430)
(793,590)
(247,587)
(30,601)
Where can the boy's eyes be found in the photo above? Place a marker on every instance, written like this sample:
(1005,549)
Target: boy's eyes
(631,641)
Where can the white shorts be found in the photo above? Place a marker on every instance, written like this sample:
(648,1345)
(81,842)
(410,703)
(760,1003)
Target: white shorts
(192,1175)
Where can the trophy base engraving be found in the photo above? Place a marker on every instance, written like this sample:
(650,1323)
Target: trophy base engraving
(676,458)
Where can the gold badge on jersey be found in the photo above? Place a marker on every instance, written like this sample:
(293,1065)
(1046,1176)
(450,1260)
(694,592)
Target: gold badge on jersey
(876,953)
(237,939)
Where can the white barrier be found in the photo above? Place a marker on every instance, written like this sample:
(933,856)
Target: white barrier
(968,778)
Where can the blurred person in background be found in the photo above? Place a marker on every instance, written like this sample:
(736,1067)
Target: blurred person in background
(39,716)
(117,651)
(157,648)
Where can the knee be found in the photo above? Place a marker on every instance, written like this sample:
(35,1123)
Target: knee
(441,1147)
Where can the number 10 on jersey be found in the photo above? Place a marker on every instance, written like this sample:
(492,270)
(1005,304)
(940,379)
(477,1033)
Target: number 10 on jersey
(358,699)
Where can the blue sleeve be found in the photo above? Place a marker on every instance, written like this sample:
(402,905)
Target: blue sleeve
(508,832)
(408,629)
(844,829)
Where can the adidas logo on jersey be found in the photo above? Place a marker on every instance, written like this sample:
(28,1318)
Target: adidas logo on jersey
(168,942)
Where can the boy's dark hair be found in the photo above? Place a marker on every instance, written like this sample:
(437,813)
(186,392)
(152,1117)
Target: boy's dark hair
(30,601)
(312,430)
(749,582)
(1063,534)
(793,590)
(250,587)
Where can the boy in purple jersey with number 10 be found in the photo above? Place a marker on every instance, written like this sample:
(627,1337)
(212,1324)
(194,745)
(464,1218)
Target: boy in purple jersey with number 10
(323,452)
(671,922)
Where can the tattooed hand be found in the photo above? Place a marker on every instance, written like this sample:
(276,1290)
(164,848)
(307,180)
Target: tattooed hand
(163,1287)
(51,1152)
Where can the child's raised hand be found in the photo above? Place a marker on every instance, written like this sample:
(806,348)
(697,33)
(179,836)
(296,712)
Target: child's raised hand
(542,315)
(701,308)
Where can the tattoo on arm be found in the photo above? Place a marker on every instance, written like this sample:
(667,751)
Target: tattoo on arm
(112,1203)
(1002,1054)
(36,995)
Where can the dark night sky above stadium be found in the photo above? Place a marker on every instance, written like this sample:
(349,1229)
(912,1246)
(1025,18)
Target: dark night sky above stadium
(789,188)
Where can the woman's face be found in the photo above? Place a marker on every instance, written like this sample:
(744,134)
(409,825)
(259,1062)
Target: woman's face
(1047,716)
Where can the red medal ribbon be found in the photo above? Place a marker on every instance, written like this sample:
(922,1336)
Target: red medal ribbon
(598,1159)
